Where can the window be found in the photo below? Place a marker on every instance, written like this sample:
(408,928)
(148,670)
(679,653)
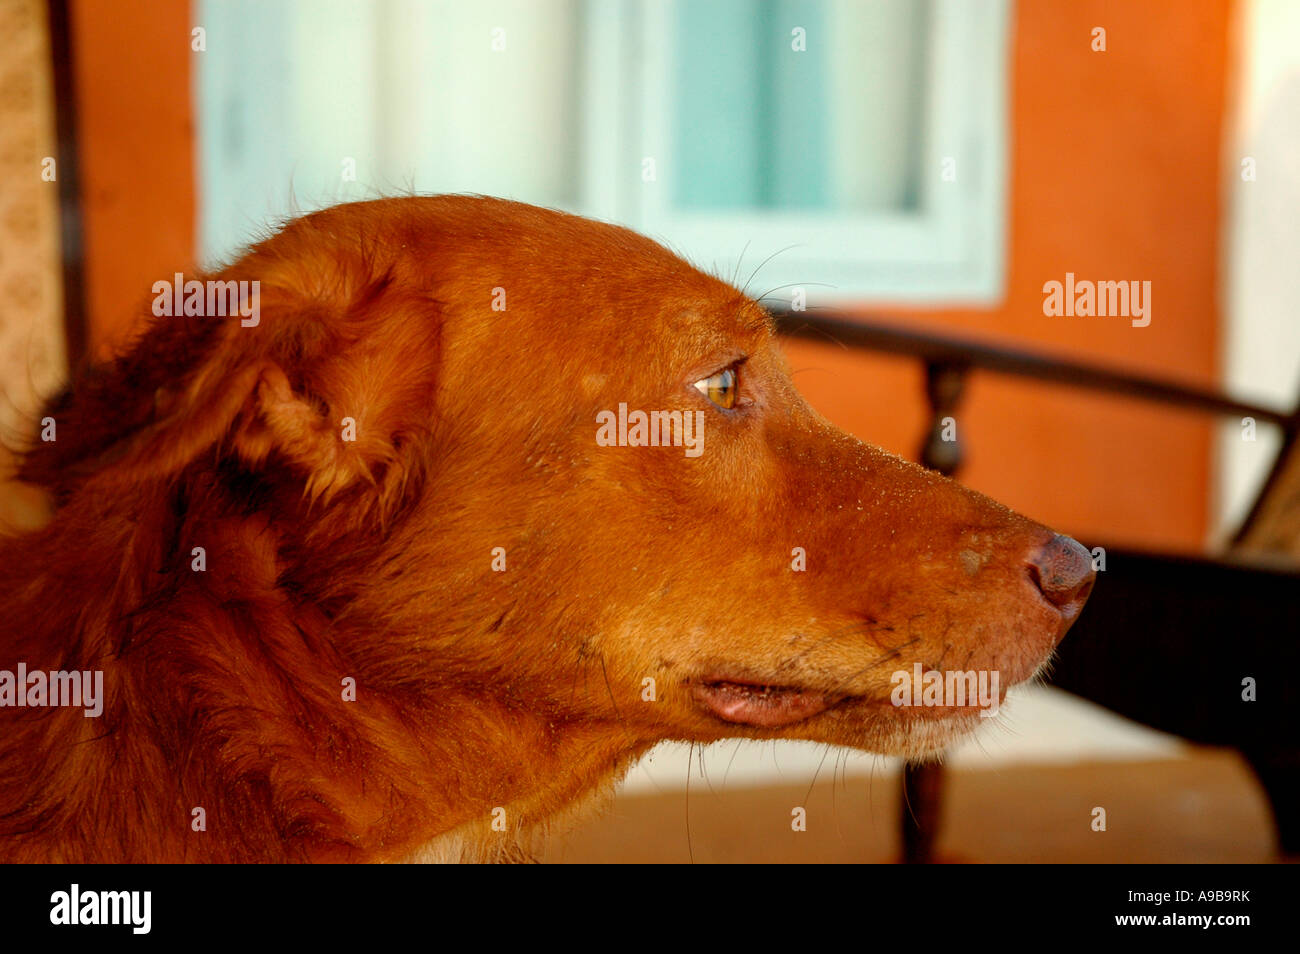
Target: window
(860,145)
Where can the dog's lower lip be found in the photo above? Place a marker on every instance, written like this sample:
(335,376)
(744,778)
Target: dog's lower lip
(762,705)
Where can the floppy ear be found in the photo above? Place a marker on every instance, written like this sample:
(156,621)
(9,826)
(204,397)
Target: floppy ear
(277,420)
(120,414)
(206,385)
(253,413)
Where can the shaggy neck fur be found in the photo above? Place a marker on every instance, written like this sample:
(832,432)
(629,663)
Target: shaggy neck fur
(225,691)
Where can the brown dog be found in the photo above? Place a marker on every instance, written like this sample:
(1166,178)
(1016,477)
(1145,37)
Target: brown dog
(480,503)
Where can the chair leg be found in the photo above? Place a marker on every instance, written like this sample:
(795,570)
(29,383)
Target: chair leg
(922,803)
(923,784)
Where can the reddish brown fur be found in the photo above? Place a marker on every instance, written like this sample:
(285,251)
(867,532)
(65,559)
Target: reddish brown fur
(475,429)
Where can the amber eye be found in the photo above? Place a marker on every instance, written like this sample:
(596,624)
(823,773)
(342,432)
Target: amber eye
(721,388)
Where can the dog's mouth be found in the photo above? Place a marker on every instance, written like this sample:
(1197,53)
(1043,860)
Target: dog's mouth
(751,702)
(762,705)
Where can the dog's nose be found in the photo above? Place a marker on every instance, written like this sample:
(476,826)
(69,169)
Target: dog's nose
(1062,569)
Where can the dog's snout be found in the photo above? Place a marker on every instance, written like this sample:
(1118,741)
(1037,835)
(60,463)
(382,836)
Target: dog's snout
(1062,570)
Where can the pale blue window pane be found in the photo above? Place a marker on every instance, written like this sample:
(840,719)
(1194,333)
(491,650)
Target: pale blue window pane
(797,137)
(759,125)
(721,107)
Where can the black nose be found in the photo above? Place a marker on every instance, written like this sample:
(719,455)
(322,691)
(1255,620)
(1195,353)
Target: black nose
(1062,569)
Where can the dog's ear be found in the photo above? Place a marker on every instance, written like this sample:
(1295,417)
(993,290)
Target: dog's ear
(318,386)
(330,448)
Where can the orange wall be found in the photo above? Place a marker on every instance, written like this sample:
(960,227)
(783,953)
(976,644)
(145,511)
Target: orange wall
(136,130)
(1114,175)
(1114,169)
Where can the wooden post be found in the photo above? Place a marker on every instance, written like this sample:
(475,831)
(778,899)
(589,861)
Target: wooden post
(941,451)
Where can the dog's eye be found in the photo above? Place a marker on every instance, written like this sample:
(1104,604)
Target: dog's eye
(721,388)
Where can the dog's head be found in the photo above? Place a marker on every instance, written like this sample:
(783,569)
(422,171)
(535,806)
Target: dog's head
(539,460)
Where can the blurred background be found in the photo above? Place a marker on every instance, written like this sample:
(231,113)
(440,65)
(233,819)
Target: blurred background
(913,169)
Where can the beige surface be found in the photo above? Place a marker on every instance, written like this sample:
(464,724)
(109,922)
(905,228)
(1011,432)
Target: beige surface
(1203,808)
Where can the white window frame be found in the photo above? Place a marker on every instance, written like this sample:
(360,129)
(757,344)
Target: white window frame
(949,251)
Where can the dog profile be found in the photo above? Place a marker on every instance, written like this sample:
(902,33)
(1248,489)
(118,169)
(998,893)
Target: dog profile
(397,571)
